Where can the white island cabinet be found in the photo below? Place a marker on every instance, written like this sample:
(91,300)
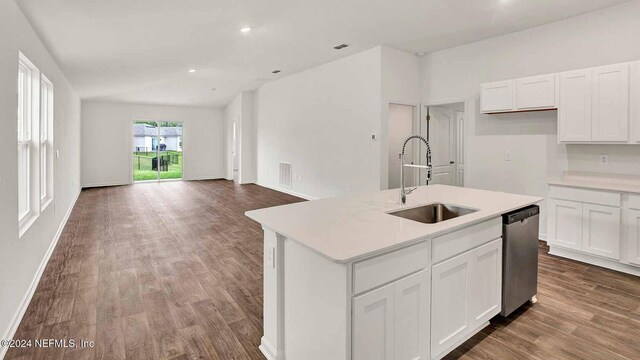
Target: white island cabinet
(345,280)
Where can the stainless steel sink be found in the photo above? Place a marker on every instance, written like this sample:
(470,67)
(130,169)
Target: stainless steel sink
(433,213)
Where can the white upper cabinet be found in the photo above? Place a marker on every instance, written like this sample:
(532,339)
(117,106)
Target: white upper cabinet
(497,97)
(595,105)
(634,98)
(574,115)
(536,92)
(610,99)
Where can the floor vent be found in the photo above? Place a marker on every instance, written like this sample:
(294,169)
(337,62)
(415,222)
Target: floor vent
(285,174)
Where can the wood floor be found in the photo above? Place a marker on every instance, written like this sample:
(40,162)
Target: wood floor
(174,271)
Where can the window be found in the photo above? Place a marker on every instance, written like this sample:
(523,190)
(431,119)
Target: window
(24,138)
(46,142)
(30,137)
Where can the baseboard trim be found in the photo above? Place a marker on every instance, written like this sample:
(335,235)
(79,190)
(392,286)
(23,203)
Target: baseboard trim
(286,191)
(17,319)
(593,260)
(267,350)
(92,185)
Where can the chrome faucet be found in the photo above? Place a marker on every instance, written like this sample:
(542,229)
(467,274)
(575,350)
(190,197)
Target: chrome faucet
(403,191)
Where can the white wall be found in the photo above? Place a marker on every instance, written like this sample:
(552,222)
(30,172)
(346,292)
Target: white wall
(107,136)
(603,37)
(241,110)
(401,84)
(401,124)
(21,258)
(321,120)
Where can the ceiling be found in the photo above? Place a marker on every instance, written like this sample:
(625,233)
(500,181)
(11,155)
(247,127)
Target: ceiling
(139,51)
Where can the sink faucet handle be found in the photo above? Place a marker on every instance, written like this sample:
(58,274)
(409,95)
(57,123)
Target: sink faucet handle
(409,191)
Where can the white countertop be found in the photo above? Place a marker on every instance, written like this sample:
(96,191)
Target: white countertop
(609,182)
(348,228)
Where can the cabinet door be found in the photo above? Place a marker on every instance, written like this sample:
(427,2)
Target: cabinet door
(601,230)
(536,92)
(633,236)
(373,324)
(450,291)
(565,223)
(497,97)
(412,317)
(486,281)
(574,115)
(610,116)
(634,97)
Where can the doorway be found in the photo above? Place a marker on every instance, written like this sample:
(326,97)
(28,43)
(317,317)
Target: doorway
(402,124)
(443,126)
(157,150)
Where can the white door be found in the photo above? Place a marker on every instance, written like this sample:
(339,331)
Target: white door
(412,317)
(565,223)
(373,324)
(460,148)
(574,115)
(234,146)
(610,103)
(442,140)
(601,230)
(634,96)
(536,92)
(486,279)
(633,236)
(400,127)
(450,291)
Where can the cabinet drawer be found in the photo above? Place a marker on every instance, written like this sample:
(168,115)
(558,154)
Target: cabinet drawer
(457,242)
(585,195)
(382,269)
(634,201)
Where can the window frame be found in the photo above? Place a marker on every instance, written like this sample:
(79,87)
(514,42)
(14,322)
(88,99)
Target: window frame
(28,135)
(46,141)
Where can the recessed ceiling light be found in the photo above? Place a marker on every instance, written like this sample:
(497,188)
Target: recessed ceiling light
(245,29)
(275,71)
(213,89)
(340,47)
(192,70)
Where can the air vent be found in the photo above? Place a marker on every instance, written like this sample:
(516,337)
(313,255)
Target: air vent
(285,175)
(340,47)
(275,71)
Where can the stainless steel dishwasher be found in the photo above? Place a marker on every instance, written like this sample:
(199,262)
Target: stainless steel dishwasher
(519,258)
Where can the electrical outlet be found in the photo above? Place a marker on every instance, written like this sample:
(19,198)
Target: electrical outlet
(603,160)
(348,187)
(508,155)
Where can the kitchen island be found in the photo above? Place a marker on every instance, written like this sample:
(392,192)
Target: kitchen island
(345,278)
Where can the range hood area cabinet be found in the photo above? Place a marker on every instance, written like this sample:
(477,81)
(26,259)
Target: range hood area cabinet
(596,105)
(524,94)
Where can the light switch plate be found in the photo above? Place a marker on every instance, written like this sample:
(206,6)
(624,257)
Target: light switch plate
(508,155)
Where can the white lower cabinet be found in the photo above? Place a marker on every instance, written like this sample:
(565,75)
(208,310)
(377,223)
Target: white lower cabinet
(601,230)
(565,223)
(466,292)
(633,236)
(590,228)
(392,322)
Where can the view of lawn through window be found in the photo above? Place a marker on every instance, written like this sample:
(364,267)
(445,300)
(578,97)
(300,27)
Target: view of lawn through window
(157,150)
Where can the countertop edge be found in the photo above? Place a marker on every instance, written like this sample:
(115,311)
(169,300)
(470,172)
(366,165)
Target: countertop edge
(595,185)
(399,245)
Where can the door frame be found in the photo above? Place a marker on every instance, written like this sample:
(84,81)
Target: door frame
(133,144)
(469,107)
